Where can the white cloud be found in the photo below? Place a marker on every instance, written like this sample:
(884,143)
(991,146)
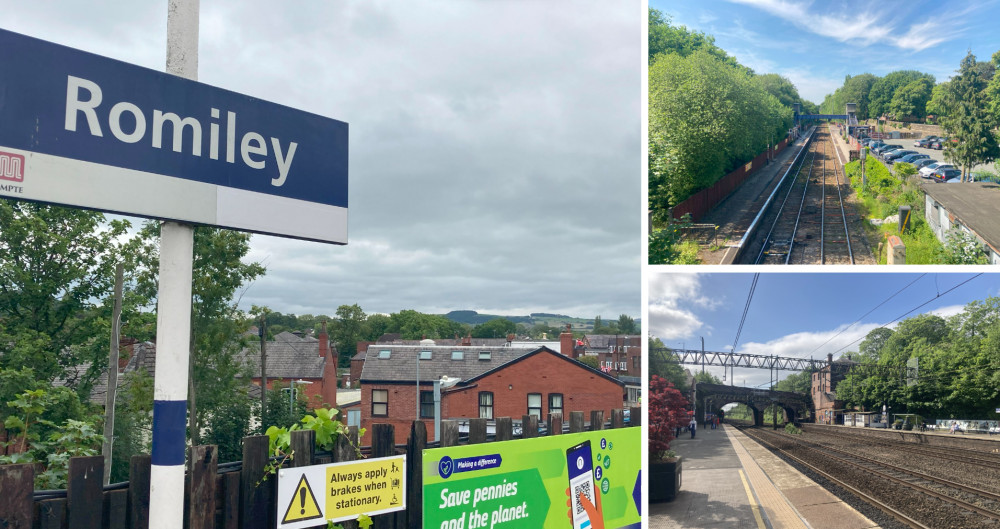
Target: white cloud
(671,297)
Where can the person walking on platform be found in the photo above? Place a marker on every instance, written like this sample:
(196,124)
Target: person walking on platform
(693,425)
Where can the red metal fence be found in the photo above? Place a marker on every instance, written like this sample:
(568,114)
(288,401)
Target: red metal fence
(703,201)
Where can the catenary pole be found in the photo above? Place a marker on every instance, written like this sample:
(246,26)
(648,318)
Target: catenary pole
(173,319)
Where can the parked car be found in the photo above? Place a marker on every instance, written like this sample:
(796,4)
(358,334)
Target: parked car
(925,141)
(928,169)
(938,143)
(887,147)
(897,154)
(920,164)
(910,158)
(944,175)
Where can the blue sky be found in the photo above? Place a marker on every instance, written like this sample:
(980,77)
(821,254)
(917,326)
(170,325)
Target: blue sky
(796,314)
(816,44)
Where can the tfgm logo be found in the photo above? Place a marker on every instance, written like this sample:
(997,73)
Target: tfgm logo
(11,167)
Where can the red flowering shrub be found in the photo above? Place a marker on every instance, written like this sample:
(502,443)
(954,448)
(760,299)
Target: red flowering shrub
(667,411)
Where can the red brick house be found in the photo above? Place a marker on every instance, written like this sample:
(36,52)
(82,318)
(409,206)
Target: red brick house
(492,382)
(829,409)
(299,357)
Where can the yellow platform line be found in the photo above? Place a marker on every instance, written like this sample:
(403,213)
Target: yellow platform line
(780,513)
(753,503)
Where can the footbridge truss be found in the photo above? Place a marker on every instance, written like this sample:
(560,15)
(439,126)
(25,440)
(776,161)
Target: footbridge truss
(782,363)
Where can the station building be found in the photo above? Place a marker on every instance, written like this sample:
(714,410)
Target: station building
(970,207)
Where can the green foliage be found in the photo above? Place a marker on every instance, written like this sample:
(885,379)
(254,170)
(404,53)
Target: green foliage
(133,422)
(905,170)
(70,438)
(495,328)
(346,332)
(942,100)
(961,247)
(796,382)
(590,361)
(666,247)
(626,324)
(911,99)
(706,118)
(56,265)
(283,410)
(856,90)
(704,377)
(323,421)
(665,366)
(667,39)
(884,90)
(970,121)
(792,429)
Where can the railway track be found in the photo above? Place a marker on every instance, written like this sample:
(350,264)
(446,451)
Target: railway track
(958,455)
(915,498)
(809,225)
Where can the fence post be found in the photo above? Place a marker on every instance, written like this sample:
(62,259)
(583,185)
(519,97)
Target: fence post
(345,451)
(617,418)
(555,423)
(203,463)
(255,501)
(505,429)
(230,500)
(575,421)
(303,445)
(116,509)
(138,491)
(635,416)
(415,446)
(529,426)
(477,431)
(84,489)
(51,514)
(596,420)
(449,433)
(383,445)
(16,503)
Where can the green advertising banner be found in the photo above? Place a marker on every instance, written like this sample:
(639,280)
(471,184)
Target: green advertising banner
(529,483)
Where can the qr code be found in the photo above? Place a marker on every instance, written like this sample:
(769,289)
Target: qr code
(587,491)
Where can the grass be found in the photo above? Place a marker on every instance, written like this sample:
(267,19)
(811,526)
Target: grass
(882,197)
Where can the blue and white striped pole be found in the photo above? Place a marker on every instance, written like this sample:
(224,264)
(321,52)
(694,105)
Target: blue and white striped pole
(173,320)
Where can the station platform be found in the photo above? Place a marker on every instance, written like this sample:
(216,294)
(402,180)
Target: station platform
(730,481)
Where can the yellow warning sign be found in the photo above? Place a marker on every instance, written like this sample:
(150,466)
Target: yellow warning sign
(365,487)
(303,505)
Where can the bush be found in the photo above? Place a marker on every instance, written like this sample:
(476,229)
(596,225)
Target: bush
(792,429)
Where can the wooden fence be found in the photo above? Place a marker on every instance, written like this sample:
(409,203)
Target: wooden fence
(233,496)
(703,201)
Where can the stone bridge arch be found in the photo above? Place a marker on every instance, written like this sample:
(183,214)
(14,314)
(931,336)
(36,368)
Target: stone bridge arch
(711,398)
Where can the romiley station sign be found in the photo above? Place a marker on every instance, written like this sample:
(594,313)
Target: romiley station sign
(83,130)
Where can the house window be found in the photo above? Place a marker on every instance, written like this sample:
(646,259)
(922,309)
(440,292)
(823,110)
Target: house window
(354,418)
(457,355)
(380,403)
(485,404)
(385,353)
(635,362)
(485,355)
(425,355)
(555,403)
(535,404)
(427,404)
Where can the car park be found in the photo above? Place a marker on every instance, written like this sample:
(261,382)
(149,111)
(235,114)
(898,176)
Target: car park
(925,141)
(887,147)
(920,164)
(927,170)
(937,144)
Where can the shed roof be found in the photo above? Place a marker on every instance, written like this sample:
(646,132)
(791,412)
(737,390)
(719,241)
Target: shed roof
(975,204)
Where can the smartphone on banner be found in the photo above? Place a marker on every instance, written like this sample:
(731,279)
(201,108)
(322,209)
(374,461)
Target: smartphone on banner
(580,462)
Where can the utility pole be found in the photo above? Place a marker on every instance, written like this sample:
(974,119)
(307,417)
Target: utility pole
(262,332)
(703,354)
(109,398)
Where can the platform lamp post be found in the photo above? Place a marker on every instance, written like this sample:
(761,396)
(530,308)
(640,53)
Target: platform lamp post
(291,394)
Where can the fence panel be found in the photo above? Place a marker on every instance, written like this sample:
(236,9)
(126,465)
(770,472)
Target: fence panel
(84,488)
(16,504)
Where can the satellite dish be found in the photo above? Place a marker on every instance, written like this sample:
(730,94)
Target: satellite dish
(447,382)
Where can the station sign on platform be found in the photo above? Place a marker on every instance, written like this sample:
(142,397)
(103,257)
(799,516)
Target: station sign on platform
(83,130)
(312,495)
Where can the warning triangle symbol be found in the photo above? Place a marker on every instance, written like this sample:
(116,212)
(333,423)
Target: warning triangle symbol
(303,505)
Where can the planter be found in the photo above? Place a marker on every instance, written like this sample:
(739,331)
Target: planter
(664,480)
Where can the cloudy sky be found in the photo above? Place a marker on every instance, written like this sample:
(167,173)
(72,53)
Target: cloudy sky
(494,146)
(802,315)
(816,44)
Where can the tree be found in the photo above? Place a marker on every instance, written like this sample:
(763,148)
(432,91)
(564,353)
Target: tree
(942,99)
(679,40)
(55,265)
(590,361)
(704,377)
(664,364)
(668,410)
(884,89)
(796,382)
(781,88)
(911,99)
(970,122)
(495,328)
(375,326)
(347,330)
(217,326)
(626,324)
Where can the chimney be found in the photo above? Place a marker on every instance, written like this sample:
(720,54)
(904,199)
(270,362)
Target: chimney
(510,338)
(829,358)
(566,342)
(467,341)
(324,342)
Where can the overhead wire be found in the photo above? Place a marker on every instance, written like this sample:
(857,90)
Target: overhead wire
(746,309)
